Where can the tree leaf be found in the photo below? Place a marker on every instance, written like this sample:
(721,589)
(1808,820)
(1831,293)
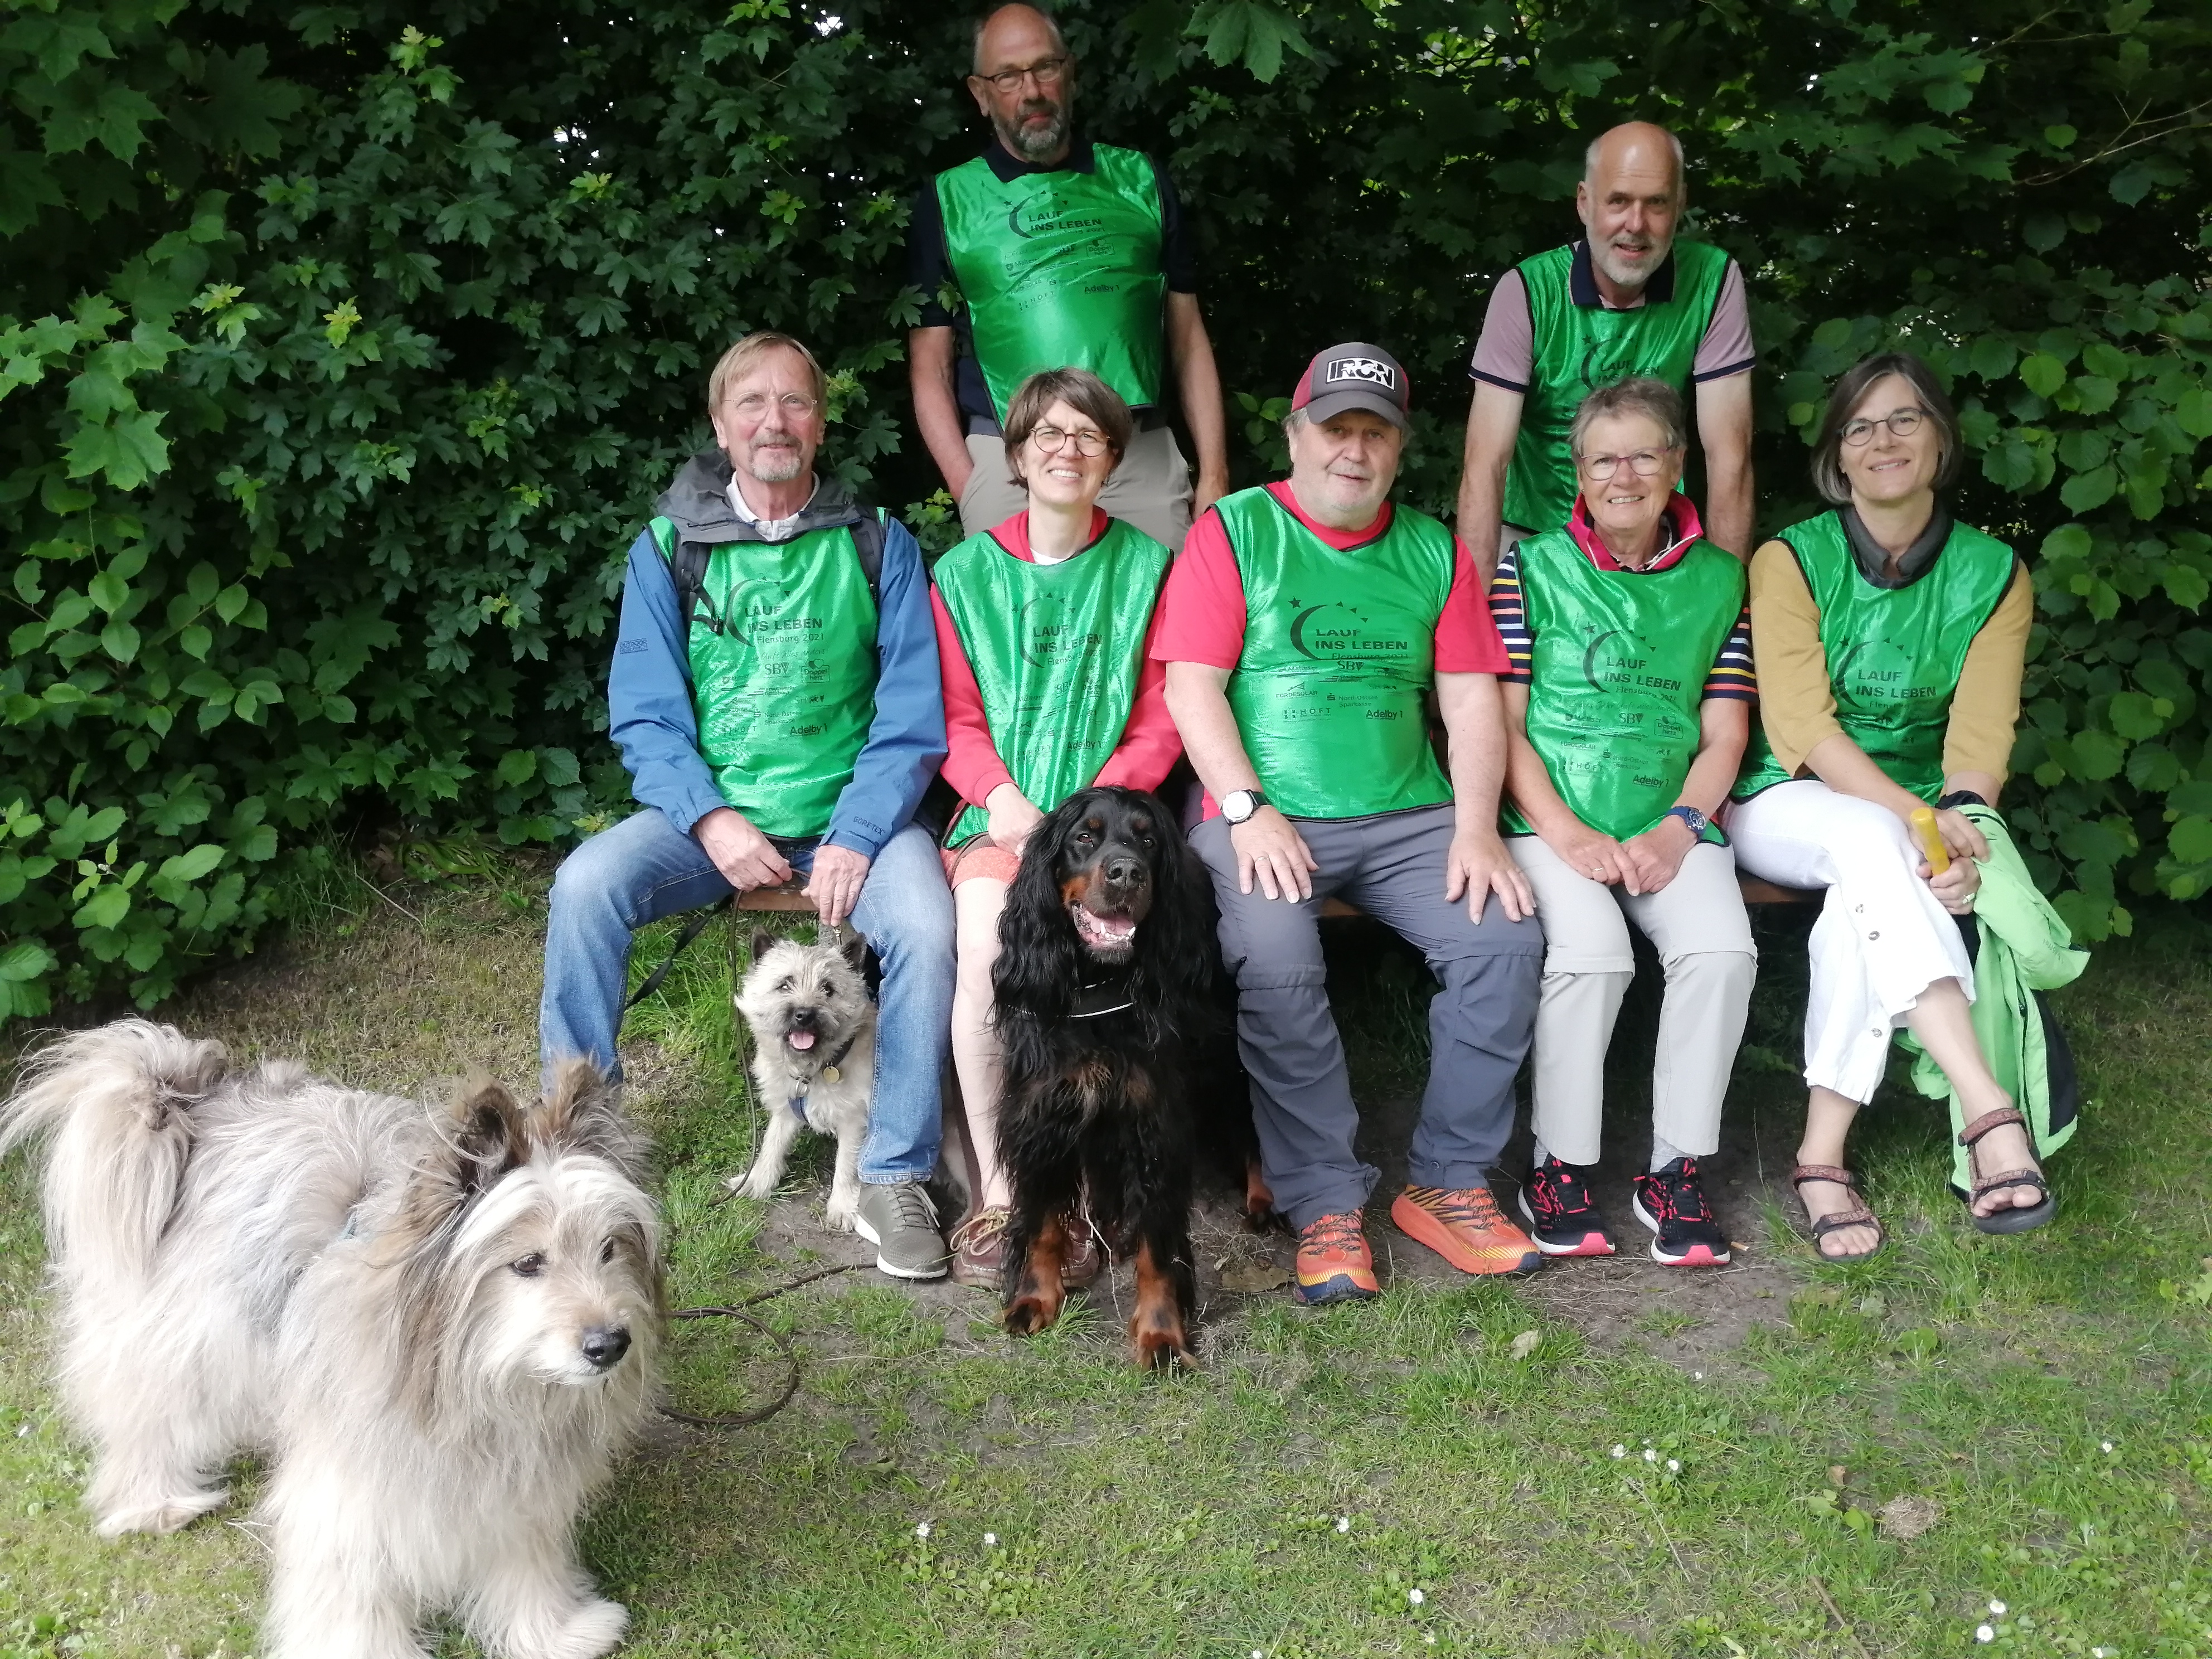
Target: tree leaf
(2086,491)
(517,766)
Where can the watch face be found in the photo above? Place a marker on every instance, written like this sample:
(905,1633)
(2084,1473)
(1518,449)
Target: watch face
(1237,806)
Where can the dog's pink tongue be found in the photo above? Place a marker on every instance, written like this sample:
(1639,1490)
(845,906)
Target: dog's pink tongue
(801,1041)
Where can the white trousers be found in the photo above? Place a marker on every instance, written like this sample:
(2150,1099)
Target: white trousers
(1881,939)
(1697,925)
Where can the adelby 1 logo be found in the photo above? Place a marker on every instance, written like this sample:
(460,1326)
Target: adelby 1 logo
(1362,369)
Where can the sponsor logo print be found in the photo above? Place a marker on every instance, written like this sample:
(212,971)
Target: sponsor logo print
(1369,371)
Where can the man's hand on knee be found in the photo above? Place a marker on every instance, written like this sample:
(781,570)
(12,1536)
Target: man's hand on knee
(1271,851)
(1478,866)
(746,858)
(835,885)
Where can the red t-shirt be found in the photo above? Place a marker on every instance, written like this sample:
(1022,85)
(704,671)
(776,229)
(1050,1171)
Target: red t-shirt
(972,765)
(1201,614)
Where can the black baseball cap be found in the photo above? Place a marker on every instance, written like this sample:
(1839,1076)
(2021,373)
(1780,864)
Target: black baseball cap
(1354,376)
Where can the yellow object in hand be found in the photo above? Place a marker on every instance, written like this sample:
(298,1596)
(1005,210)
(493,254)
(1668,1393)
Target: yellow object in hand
(1931,840)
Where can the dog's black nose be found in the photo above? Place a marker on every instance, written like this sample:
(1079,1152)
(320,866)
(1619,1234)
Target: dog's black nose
(605,1345)
(801,1019)
(1124,869)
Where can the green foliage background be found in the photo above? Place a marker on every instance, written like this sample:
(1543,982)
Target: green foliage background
(340,363)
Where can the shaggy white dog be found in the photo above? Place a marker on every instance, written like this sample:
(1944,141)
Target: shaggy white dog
(440,1324)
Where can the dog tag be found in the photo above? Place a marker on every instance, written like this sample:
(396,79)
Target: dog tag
(830,1074)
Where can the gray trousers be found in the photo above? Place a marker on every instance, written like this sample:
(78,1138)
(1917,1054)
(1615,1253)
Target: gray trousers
(1151,488)
(1392,866)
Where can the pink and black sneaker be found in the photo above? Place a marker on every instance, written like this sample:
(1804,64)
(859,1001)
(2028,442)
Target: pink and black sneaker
(1562,1221)
(1671,1201)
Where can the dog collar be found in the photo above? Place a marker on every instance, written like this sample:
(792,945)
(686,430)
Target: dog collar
(828,1073)
(1093,1000)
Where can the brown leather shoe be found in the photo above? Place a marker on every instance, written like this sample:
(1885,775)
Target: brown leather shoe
(1084,1259)
(979,1248)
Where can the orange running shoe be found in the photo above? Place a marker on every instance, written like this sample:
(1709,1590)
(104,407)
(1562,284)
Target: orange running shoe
(1463,1225)
(1335,1264)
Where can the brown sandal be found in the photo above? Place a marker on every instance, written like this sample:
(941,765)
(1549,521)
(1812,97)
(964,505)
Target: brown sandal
(2013,1220)
(1857,1216)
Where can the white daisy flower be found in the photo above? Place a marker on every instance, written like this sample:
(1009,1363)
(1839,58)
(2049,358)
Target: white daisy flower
(1621,1451)
(1998,1608)
(2106,1444)
(1649,1456)
(1416,1596)
(1344,1524)
(1983,1634)
(990,1540)
(1674,1466)
(922,1529)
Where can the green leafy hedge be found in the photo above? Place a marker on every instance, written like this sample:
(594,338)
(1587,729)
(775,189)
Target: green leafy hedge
(339,363)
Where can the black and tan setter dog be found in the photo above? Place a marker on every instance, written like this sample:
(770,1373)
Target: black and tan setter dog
(1113,1010)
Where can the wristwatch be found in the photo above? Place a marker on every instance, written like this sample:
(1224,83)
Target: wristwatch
(1239,804)
(1691,816)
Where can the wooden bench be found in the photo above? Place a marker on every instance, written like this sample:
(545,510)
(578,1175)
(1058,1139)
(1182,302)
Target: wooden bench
(1755,891)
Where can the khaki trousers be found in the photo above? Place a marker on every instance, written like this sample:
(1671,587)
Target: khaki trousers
(1150,488)
(1698,924)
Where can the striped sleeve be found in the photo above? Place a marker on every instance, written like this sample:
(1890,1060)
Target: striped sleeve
(1733,675)
(1511,616)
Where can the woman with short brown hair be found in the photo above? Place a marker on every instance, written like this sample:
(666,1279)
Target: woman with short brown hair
(1041,625)
(1891,642)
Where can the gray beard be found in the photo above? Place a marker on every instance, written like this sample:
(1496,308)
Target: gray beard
(769,466)
(1038,145)
(1602,257)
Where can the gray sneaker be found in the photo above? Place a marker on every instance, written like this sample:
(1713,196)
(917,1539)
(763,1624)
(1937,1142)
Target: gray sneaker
(901,1222)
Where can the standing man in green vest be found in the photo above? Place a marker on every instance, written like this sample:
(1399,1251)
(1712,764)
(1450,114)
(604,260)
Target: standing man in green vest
(774,695)
(1063,253)
(1303,628)
(1627,301)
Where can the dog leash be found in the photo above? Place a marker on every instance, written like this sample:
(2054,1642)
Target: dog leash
(692,929)
(783,1344)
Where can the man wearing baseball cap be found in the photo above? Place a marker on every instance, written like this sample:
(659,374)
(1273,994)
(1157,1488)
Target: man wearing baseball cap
(1302,629)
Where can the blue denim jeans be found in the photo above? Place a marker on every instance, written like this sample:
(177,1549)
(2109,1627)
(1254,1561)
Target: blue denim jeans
(645,868)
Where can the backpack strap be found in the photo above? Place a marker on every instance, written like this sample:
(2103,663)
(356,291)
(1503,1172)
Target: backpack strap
(687,562)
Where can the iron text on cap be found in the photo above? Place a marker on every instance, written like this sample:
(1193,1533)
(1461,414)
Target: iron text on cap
(1363,368)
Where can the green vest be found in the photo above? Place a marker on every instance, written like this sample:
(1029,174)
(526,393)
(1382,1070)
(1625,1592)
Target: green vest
(1894,653)
(783,674)
(1617,676)
(1339,647)
(1061,270)
(1579,348)
(1056,650)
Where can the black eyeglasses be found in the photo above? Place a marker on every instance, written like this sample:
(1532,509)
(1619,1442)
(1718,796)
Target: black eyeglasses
(1048,71)
(1903,423)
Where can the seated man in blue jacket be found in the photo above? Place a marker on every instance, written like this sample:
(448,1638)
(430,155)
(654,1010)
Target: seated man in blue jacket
(775,696)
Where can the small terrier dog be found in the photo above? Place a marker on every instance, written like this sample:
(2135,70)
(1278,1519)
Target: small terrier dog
(441,1323)
(814,1060)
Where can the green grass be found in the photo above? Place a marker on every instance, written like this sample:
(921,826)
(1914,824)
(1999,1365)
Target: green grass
(1290,1498)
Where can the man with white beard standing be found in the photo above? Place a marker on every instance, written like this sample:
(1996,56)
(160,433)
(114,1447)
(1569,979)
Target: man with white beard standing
(1629,300)
(1303,629)
(1062,254)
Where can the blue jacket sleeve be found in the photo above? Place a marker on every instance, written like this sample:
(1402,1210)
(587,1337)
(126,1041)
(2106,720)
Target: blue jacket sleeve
(649,712)
(906,740)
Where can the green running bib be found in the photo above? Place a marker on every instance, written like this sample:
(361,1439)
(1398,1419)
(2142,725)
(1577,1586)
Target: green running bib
(1339,647)
(1056,650)
(783,674)
(1618,675)
(1061,270)
(1894,653)
(1579,348)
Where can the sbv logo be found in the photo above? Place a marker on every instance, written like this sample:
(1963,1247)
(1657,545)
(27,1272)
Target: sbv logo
(1372,370)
